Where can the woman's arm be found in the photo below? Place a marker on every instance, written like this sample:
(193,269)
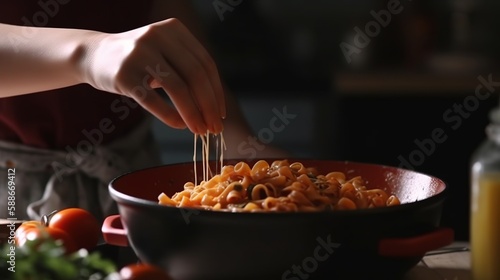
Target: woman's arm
(163,54)
(38,59)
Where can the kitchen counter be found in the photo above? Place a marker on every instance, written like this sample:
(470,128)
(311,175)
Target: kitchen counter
(448,266)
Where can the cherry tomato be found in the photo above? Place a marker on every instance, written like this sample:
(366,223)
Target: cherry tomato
(24,228)
(142,271)
(37,232)
(79,224)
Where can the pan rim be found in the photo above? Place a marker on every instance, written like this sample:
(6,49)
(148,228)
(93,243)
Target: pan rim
(122,198)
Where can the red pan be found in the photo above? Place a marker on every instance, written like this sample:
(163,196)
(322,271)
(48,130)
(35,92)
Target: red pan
(377,243)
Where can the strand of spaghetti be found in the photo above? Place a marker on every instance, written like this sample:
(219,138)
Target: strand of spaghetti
(194,161)
(222,148)
(203,154)
(207,155)
(216,136)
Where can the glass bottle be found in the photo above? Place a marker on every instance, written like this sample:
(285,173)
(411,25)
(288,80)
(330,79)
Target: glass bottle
(485,204)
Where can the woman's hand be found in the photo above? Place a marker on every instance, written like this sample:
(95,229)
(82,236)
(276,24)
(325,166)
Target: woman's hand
(164,54)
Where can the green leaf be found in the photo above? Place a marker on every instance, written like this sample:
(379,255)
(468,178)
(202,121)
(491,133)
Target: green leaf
(48,261)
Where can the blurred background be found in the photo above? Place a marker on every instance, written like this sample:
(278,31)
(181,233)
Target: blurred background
(361,86)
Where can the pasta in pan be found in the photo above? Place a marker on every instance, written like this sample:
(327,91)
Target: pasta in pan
(278,186)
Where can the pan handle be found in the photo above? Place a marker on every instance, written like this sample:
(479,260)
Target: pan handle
(417,245)
(113,231)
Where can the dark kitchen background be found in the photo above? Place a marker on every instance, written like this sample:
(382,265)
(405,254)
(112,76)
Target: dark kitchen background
(407,98)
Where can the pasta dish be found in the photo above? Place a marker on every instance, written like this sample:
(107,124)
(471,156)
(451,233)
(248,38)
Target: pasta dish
(278,186)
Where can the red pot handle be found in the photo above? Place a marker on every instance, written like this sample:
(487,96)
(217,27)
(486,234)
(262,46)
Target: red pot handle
(417,245)
(113,231)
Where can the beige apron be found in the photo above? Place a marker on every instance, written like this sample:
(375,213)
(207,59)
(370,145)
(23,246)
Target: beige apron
(47,180)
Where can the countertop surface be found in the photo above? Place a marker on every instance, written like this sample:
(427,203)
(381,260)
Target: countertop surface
(447,266)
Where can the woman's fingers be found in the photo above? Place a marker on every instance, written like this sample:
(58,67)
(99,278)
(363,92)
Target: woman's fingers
(154,103)
(162,54)
(206,61)
(183,100)
(192,87)
(196,74)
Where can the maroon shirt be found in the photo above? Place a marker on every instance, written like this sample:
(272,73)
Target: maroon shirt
(58,118)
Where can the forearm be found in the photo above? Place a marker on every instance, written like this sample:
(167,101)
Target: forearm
(129,63)
(35,59)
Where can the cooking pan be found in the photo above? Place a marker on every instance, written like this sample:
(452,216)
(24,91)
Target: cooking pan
(376,243)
